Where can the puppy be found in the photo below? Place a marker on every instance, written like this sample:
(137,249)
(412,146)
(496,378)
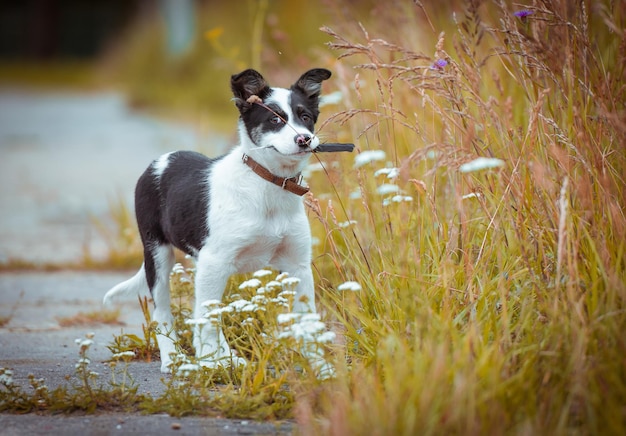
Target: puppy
(236,213)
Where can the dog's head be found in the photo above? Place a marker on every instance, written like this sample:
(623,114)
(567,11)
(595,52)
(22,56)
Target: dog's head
(277,124)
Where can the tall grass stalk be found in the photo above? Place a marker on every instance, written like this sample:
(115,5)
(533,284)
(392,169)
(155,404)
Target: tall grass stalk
(492,299)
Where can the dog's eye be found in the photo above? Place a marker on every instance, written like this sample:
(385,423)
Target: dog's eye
(276,120)
(305,118)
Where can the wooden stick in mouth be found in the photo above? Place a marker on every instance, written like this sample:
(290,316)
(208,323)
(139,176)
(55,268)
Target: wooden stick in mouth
(333,147)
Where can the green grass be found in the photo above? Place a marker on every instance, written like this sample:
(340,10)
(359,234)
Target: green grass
(492,301)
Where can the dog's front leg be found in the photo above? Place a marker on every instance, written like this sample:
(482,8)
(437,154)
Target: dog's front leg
(304,301)
(212,274)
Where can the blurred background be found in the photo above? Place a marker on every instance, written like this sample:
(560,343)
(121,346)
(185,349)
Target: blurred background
(91,92)
(164,53)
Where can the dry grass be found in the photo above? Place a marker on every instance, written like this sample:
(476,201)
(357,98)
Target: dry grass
(109,317)
(493,301)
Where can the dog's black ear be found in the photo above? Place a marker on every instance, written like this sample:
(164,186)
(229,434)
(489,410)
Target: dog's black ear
(311,82)
(246,84)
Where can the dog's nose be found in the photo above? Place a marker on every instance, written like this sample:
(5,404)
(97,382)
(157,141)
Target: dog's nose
(303,140)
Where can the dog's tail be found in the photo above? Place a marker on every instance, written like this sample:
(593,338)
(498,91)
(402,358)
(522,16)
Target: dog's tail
(136,285)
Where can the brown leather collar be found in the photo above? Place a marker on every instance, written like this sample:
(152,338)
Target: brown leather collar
(291,184)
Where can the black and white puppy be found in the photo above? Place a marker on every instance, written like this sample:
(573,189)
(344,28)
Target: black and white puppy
(236,213)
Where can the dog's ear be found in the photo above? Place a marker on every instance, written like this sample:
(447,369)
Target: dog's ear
(310,83)
(246,84)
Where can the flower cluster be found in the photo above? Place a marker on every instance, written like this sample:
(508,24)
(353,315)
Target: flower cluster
(6,377)
(83,361)
(391,188)
(307,334)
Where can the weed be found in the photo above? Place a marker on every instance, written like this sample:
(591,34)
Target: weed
(89,318)
(280,350)
(142,348)
(83,394)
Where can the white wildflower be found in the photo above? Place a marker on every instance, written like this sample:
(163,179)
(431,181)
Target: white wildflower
(326,337)
(259,299)
(196,321)
(391,173)
(178,269)
(262,273)
(306,330)
(282,276)
(387,189)
(472,195)
(355,195)
(332,98)
(349,286)
(280,301)
(368,156)
(310,317)
(210,303)
(291,281)
(252,283)
(345,224)
(225,309)
(432,154)
(83,361)
(284,318)
(243,306)
(217,312)
(273,284)
(123,354)
(481,163)
(6,377)
(186,368)
(85,342)
(397,199)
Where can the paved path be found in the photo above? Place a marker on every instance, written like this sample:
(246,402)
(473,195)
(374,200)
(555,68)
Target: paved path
(65,156)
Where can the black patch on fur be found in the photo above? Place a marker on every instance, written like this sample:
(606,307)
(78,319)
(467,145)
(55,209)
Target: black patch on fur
(173,209)
(246,84)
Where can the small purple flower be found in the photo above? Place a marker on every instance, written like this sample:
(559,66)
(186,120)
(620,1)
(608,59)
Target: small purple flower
(523,14)
(439,64)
